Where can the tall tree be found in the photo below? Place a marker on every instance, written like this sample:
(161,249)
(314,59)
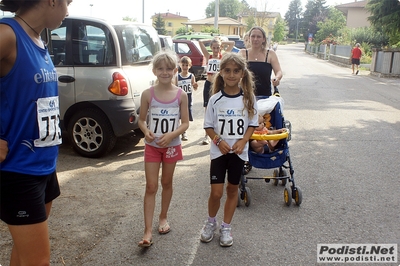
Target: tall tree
(293,17)
(385,16)
(316,10)
(331,26)
(159,25)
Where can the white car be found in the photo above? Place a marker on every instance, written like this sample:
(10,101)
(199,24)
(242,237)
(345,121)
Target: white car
(102,69)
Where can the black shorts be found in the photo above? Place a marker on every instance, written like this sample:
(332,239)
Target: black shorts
(355,61)
(230,163)
(23,197)
(206,92)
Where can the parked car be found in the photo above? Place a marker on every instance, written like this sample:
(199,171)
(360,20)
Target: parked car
(191,49)
(166,42)
(240,44)
(233,37)
(102,69)
(196,36)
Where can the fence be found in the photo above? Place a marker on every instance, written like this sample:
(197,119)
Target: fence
(336,53)
(385,62)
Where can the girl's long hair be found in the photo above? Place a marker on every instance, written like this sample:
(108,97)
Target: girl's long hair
(246,83)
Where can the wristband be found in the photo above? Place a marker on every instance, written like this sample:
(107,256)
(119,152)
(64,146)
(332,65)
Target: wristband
(217,140)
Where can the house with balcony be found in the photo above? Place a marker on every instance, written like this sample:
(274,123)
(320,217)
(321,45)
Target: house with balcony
(172,21)
(356,14)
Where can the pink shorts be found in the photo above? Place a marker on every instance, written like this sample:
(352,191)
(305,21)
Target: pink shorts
(167,155)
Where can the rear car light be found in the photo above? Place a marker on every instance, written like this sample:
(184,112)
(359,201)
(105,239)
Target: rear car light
(119,86)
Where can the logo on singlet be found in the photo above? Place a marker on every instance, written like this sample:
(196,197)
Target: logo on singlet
(45,76)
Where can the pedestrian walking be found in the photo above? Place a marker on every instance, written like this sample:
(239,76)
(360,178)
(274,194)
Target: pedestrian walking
(356,54)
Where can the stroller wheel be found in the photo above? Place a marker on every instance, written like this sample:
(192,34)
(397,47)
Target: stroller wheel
(287,196)
(247,197)
(276,174)
(298,197)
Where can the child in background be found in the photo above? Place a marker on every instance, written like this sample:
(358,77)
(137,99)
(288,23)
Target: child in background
(264,146)
(186,81)
(165,106)
(230,121)
(213,61)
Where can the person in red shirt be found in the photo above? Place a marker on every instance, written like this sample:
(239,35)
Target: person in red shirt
(355,57)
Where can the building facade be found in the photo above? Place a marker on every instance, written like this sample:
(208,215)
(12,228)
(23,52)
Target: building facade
(356,14)
(172,21)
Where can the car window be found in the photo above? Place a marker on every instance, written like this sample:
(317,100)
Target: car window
(58,45)
(139,44)
(182,48)
(92,45)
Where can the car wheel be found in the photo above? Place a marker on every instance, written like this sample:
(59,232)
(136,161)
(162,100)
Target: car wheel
(90,133)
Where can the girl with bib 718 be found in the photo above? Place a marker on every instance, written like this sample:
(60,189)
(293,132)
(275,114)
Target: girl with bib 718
(231,117)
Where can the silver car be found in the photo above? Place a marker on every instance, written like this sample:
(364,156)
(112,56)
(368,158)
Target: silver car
(102,69)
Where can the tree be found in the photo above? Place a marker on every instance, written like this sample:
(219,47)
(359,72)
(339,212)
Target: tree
(331,26)
(227,8)
(315,11)
(279,30)
(385,17)
(183,30)
(127,18)
(159,25)
(293,17)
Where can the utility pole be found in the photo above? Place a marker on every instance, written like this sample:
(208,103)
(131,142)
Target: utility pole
(297,26)
(142,11)
(91,8)
(216,15)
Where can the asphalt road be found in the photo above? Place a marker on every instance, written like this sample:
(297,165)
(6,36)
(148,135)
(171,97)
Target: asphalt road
(345,153)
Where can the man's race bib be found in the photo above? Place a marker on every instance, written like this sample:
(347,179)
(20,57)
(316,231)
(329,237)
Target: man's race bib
(213,65)
(48,117)
(232,123)
(164,120)
(185,85)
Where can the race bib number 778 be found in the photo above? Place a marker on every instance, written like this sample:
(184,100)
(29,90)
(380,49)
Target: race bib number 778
(48,116)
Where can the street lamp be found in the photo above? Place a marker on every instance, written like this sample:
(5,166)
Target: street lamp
(91,8)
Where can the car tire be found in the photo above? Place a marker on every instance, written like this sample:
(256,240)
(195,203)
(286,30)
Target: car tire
(90,133)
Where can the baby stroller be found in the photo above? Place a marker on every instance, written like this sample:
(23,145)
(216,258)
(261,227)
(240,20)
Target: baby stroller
(279,159)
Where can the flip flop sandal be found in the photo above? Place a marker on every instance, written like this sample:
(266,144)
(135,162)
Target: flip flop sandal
(164,229)
(145,243)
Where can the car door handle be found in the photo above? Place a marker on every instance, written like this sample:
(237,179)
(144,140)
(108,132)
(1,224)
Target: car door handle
(66,79)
